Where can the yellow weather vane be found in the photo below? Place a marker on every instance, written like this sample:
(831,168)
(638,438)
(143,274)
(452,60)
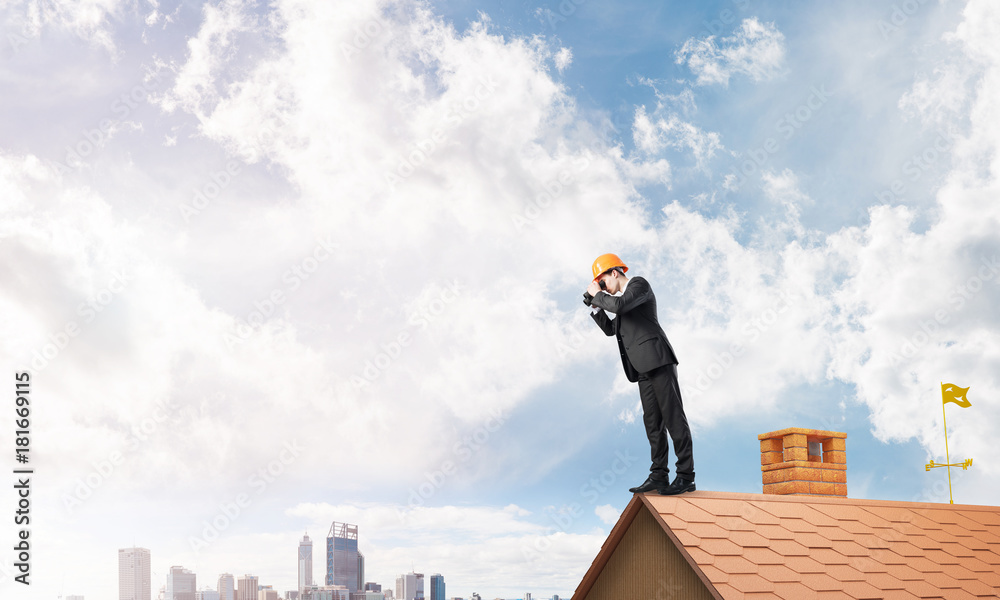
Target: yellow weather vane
(951,393)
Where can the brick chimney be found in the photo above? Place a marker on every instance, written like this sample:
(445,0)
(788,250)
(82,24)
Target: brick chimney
(804,462)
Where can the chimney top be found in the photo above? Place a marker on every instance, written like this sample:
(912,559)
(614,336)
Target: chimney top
(804,462)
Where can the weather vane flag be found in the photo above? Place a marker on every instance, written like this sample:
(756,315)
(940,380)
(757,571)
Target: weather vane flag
(951,393)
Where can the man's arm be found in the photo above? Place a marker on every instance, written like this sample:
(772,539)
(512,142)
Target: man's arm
(637,292)
(601,318)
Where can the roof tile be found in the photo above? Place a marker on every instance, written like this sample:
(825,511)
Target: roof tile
(714,574)
(904,573)
(763,556)
(987,556)
(984,517)
(719,548)
(686,538)
(979,588)
(900,595)
(787,510)
(813,540)
(905,549)
(861,589)
(869,564)
(794,591)
(721,508)
(707,530)
(751,582)
(700,556)
(779,573)
(789,548)
(884,581)
(774,532)
(734,565)
(845,573)
(797,525)
(821,582)
(729,592)
(804,565)
(977,566)
(836,534)
(827,556)
(858,527)
(739,524)
(840,512)
(850,549)
(961,551)
(923,589)
(749,539)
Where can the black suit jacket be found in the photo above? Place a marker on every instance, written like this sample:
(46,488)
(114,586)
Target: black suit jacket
(641,341)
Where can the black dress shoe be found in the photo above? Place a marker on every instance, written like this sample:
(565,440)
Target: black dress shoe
(679,486)
(647,486)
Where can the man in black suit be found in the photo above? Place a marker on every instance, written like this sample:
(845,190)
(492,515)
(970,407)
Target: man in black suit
(648,360)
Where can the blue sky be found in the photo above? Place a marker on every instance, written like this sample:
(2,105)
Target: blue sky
(323,261)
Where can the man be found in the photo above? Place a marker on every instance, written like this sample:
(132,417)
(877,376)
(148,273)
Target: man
(648,360)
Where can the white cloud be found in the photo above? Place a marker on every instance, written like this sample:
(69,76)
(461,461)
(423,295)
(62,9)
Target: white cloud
(90,20)
(607,513)
(653,136)
(756,49)
(563,58)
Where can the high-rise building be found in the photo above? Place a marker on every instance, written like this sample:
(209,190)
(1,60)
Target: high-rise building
(267,592)
(227,587)
(371,586)
(305,562)
(361,573)
(206,594)
(410,586)
(327,592)
(437,587)
(246,588)
(180,584)
(342,556)
(134,581)
(292,595)
(527,595)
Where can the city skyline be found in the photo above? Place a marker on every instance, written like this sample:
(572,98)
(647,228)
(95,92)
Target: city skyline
(181,583)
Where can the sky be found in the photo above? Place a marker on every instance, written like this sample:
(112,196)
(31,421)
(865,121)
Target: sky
(274,265)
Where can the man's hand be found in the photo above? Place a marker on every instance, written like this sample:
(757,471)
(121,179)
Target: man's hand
(593,288)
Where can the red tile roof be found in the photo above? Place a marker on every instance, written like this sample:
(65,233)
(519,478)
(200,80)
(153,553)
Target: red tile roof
(801,547)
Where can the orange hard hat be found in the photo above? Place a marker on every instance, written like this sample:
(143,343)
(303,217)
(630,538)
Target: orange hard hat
(605,262)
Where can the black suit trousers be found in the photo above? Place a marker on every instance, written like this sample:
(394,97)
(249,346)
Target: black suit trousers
(663,414)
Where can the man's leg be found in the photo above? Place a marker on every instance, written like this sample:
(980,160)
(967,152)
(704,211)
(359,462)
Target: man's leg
(668,396)
(652,418)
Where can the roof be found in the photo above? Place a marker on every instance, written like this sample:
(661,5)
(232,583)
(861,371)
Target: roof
(800,547)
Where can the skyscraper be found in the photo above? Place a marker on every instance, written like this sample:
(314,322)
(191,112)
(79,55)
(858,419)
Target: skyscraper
(180,584)
(305,562)
(267,592)
(133,574)
(361,573)
(342,556)
(246,588)
(227,587)
(437,587)
(410,586)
